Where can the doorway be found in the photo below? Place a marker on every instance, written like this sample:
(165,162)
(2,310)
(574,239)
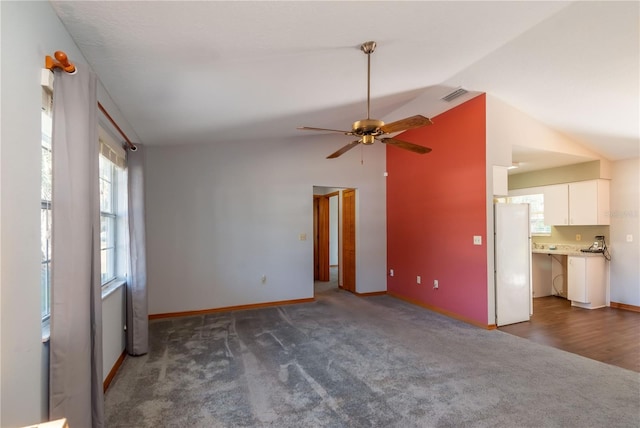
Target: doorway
(333,220)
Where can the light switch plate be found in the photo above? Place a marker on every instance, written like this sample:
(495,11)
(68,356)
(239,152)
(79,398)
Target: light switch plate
(629,238)
(302,237)
(477,240)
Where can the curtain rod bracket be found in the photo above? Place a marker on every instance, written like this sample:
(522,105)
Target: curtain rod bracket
(61,61)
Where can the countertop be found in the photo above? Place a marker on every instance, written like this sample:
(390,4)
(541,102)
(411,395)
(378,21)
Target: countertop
(562,250)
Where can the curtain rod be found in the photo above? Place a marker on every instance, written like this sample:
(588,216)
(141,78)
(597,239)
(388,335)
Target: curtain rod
(62,61)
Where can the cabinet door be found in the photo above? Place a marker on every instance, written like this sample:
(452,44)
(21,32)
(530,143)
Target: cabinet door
(556,205)
(596,281)
(583,203)
(541,275)
(577,280)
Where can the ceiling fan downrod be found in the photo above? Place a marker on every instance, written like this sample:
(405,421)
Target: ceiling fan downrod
(368,48)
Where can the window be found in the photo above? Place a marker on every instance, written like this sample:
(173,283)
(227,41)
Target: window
(45,205)
(113,202)
(108,189)
(535,200)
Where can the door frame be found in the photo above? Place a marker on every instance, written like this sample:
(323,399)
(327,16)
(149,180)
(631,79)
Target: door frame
(321,237)
(349,233)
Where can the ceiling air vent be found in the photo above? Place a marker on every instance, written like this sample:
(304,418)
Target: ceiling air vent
(455,94)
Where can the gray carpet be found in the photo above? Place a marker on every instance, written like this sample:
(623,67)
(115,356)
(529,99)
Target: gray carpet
(345,361)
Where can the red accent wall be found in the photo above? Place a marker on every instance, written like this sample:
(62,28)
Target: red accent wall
(436,203)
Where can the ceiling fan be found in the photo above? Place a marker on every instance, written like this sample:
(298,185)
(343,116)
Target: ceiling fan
(368,130)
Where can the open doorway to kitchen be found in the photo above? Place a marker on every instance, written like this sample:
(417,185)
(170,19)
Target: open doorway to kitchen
(333,256)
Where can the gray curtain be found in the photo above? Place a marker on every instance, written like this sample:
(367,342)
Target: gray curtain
(137,313)
(75,372)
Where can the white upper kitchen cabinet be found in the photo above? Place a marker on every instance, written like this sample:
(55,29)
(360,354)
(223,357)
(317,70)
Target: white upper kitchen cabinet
(556,205)
(589,202)
(583,203)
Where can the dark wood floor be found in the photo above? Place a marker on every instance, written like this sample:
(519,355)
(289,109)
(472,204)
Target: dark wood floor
(608,335)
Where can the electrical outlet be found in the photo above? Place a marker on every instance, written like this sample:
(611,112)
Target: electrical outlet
(477,240)
(629,238)
(264,279)
(390,272)
(418,279)
(578,237)
(435,283)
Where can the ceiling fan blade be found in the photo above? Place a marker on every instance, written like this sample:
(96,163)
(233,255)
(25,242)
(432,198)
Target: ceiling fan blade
(344,149)
(406,145)
(309,128)
(407,123)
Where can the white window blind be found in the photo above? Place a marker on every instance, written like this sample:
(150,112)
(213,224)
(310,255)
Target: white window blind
(110,149)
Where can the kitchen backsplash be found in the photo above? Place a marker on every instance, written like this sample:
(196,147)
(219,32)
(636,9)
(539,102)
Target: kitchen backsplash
(567,235)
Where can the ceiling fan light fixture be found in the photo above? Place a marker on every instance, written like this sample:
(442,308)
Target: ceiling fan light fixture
(368,139)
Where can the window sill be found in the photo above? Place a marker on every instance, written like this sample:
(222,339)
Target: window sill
(110,287)
(46,331)
(107,289)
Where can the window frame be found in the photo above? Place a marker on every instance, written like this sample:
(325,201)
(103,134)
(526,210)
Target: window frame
(109,217)
(115,156)
(533,215)
(46,167)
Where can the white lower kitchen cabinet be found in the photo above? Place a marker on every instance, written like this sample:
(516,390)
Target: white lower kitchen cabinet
(586,281)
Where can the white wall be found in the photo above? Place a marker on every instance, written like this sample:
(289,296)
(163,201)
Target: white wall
(498,152)
(625,220)
(506,127)
(333,229)
(29,31)
(113,335)
(219,216)
(0,262)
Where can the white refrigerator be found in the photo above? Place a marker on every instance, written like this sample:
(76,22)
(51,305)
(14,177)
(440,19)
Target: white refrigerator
(514,297)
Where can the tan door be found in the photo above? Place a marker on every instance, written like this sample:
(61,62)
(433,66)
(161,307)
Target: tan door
(321,238)
(349,240)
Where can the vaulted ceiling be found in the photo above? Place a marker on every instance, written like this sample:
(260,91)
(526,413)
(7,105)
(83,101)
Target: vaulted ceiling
(194,72)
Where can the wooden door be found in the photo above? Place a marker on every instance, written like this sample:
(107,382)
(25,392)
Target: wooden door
(321,238)
(349,240)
